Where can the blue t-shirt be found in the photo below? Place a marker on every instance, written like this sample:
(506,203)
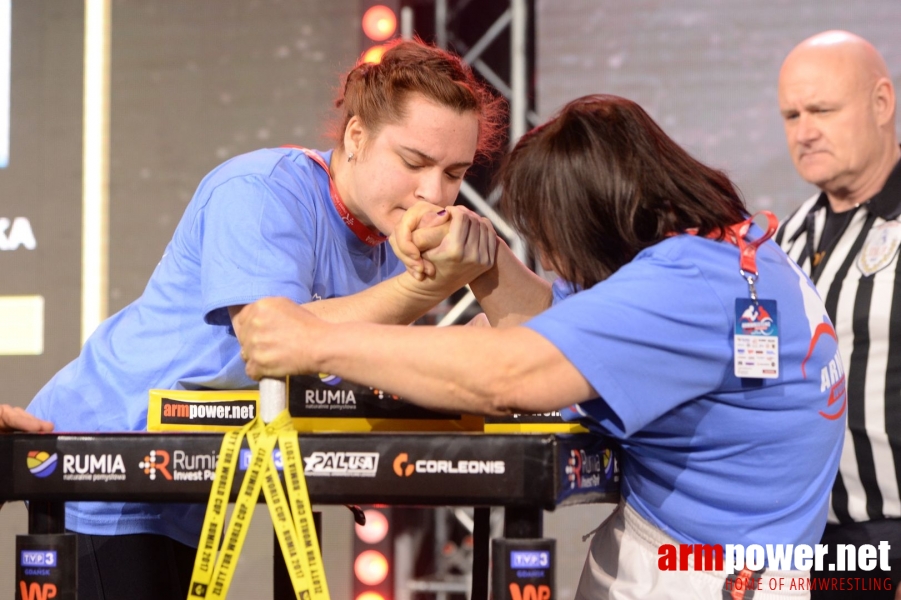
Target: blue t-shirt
(708,457)
(261,224)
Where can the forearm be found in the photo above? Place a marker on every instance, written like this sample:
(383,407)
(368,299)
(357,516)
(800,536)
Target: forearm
(510,293)
(472,370)
(396,301)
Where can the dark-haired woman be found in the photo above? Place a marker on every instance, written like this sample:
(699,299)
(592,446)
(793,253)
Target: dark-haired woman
(644,338)
(289,222)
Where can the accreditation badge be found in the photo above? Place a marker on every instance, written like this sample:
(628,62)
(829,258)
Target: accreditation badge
(756,339)
(880,248)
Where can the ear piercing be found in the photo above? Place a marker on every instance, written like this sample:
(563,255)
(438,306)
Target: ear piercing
(350,156)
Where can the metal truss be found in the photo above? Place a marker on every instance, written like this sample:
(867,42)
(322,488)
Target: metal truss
(453,560)
(514,19)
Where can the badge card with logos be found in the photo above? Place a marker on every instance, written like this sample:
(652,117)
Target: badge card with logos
(756,351)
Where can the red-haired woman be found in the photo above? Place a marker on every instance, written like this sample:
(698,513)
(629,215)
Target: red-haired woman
(291,222)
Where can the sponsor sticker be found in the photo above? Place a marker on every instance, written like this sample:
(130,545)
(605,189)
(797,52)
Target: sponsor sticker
(245,457)
(525,559)
(586,469)
(41,463)
(336,399)
(404,467)
(179,465)
(228,413)
(93,467)
(341,464)
(38,558)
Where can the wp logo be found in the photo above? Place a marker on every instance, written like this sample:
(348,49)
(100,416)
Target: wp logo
(37,591)
(530,592)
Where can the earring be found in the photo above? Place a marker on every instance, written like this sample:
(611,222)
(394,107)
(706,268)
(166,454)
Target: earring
(350,156)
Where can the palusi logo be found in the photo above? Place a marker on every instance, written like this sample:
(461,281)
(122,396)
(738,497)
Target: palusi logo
(342,464)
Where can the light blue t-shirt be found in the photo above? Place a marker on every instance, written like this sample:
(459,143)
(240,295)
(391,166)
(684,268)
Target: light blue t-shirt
(708,457)
(261,224)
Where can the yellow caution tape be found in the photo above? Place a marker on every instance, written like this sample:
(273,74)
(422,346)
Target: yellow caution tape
(292,521)
(285,530)
(300,510)
(215,513)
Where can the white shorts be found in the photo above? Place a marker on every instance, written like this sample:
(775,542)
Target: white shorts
(622,564)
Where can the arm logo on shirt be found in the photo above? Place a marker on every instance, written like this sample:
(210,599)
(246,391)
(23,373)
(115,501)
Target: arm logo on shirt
(832,376)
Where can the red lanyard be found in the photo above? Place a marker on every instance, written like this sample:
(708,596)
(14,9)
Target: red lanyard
(748,250)
(367,235)
(735,234)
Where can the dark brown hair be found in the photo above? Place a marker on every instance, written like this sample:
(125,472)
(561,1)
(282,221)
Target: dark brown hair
(377,93)
(601,181)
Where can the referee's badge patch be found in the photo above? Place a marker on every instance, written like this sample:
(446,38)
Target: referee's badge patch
(880,248)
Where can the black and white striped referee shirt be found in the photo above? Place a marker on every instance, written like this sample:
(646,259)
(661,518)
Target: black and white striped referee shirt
(857,274)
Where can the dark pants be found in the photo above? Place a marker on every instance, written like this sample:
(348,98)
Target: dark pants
(133,567)
(860,585)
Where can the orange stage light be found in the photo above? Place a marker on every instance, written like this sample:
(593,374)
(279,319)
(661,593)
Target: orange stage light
(374,55)
(371,567)
(376,527)
(379,23)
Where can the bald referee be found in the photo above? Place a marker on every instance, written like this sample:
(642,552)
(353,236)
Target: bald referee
(838,106)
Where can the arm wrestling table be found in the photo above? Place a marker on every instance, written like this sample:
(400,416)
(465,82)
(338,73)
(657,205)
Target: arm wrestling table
(525,474)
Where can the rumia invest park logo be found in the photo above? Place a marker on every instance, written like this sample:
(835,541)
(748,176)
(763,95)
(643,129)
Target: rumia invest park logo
(155,462)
